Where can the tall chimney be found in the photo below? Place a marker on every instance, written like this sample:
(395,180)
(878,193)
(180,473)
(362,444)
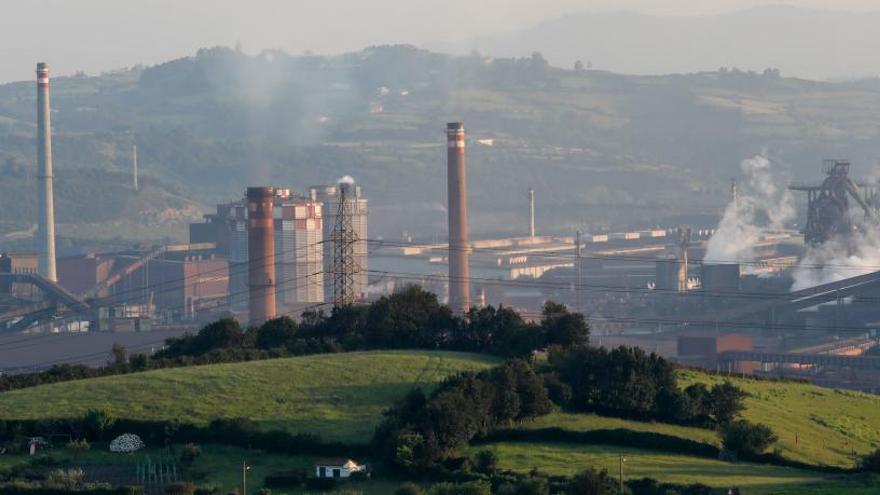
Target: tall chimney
(134,166)
(531,212)
(46,223)
(261,253)
(459,272)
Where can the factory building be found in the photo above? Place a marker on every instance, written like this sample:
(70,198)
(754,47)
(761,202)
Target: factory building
(19,263)
(183,283)
(299,249)
(357,206)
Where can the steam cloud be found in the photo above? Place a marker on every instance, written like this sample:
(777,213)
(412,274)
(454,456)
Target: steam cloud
(345,180)
(761,206)
(839,258)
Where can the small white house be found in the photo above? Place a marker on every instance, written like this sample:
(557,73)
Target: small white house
(337,468)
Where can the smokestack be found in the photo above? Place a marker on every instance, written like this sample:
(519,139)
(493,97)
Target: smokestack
(134,166)
(459,272)
(46,223)
(531,213)
(261,253)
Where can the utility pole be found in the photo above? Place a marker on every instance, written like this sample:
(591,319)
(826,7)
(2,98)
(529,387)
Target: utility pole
(531,213)
(134,166)
(620,475)
(577,264)
(244,469)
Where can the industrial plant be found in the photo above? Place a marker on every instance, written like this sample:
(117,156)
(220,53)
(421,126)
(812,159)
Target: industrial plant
(752,293)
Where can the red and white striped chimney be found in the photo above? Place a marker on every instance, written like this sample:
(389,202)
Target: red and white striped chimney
(46,221)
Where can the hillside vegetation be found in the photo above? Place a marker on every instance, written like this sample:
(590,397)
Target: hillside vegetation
(338,397)
(342,396)
(597,147)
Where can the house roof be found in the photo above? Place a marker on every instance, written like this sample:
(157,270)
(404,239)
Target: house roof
(334,461)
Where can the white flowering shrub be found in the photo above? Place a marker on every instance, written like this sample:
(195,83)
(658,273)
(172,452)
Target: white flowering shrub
(127,442)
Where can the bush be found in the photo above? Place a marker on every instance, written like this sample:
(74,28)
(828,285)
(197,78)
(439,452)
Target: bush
(470,488)
(78,445)
(591,482)
(292,478)
(189,453)
(871,462)
(408,488)
(530,486)
(746,438)
(486,461)
(181,489)
(66,479)
(127,442)
(325,484)
(97,423)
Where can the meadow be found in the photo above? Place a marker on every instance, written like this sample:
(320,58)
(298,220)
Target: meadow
(339,397)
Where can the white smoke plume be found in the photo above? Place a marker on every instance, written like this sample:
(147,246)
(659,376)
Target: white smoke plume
(760,206)
(839,258)
(345,180)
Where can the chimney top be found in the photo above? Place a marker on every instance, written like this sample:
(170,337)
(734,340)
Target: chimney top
(260,192)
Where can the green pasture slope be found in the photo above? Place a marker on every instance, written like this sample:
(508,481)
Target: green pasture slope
(341,397)
(815,425)
(335,396)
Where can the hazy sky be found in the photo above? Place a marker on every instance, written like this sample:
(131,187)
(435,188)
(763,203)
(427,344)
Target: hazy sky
(97,35)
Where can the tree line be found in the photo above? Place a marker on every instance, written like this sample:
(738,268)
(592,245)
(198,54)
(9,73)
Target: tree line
(409,319)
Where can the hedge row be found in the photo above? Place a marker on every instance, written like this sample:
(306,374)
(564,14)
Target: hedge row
(237,432)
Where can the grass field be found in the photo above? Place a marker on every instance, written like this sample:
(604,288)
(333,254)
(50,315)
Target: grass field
(568,459)
(814,424)
(217,466)
(336,396)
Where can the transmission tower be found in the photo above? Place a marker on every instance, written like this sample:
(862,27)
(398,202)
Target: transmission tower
(344,239)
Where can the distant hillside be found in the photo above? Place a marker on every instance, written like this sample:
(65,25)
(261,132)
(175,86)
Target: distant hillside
(600,149)
(823,44)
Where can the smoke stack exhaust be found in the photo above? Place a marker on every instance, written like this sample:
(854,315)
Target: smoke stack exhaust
(46,223)
(459,246)
(261,253)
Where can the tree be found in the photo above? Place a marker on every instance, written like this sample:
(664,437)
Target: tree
(591,482)
(563,328)
(275,333)
(871,462)
(726,402)
(743,437)
(578,66)
(411,317)
(120,354)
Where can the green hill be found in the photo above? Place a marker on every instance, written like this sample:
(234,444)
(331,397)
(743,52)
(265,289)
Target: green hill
(815,425)
(336,396)
(341,397)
